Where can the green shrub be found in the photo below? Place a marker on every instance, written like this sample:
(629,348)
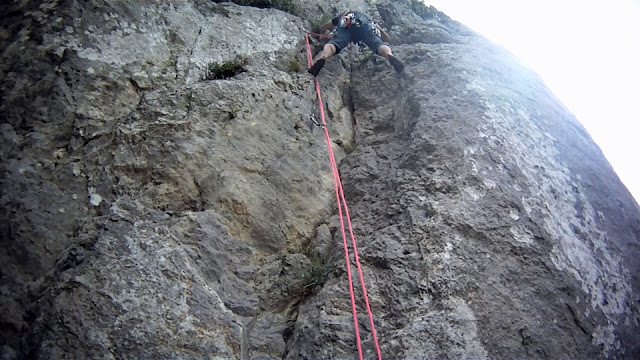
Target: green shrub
(313,277)
(294,66)
(225,70)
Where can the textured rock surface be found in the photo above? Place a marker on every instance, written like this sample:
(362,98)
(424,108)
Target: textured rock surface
(149,212)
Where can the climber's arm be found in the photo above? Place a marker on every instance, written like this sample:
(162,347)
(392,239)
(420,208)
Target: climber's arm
(333,23)
(326,27)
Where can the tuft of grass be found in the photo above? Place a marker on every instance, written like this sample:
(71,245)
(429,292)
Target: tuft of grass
(225,70)
(313,277)
(233,113)
(294,66)
(367,57)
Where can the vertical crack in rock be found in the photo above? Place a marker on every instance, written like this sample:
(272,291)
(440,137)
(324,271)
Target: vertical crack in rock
(246,333)
(193,46)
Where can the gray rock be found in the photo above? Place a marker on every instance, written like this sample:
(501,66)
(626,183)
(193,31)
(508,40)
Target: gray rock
(148,212)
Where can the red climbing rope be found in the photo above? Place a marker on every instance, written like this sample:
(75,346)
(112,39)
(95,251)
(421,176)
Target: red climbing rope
(342,202)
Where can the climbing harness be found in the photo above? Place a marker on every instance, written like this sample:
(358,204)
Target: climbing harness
(343,203)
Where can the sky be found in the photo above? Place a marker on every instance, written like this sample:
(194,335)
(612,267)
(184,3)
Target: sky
(588,54)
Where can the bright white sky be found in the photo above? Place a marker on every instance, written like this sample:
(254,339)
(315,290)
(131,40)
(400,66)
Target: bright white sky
(587,52)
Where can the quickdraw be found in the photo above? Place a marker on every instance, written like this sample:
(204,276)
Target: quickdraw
(313,118)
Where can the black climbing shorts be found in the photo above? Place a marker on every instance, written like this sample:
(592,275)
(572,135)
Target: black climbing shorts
(354,34)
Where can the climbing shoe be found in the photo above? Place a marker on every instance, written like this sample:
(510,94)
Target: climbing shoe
(396,63)
(317,66)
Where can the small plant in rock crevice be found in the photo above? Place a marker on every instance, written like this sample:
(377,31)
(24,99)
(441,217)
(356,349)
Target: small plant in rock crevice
(233,113)
(294,66)
(305,283)
(225,70)
(313,277)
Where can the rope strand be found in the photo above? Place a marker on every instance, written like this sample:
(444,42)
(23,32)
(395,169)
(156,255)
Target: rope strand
(342,202)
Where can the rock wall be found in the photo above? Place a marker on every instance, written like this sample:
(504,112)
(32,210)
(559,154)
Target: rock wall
(148,211)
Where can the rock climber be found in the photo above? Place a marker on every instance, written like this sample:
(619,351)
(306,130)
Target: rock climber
(355,27)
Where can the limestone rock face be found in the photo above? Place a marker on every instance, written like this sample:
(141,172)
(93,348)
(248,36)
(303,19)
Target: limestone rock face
(150,210)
